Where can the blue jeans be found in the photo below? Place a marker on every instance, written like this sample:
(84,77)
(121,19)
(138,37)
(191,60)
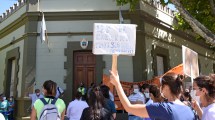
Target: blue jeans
(134,118)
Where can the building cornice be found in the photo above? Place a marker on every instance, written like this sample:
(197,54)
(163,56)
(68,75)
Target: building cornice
(96,15)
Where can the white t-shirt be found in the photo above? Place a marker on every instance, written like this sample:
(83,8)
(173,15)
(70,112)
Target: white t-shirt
(59,91)
(209,112)
(1,117)
(34,97)
(75,109)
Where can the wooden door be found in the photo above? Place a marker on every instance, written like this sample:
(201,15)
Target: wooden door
(84,69)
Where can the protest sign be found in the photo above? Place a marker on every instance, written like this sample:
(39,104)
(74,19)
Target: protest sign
(190,62)
(112,39)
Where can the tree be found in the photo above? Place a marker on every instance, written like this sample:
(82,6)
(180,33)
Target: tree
(196,14)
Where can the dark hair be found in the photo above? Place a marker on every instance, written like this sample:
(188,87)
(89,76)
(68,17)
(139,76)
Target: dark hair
(155,91)
(36,90)
(105,91)
(187,94)
(207,82)
(50,87)
(78,95)
(96,103)
(174,81)
(92,84)
(145,85)
(132,86)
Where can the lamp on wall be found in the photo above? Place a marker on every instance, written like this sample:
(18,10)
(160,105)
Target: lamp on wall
(84,43)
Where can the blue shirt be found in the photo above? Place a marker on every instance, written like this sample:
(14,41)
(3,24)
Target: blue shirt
(10,105)
(170,111)
(4,105)
(109,105)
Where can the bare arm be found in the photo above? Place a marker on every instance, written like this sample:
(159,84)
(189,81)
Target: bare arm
(135,109)
(62,115)
(33,114)
(136,102)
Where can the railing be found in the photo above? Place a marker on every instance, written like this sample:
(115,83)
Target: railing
(12,9)
(159,6)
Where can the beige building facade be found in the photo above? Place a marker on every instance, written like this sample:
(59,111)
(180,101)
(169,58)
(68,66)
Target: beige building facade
(26,63)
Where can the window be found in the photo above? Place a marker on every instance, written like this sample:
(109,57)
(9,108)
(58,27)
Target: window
(13,62)
(160,60)
(160,65)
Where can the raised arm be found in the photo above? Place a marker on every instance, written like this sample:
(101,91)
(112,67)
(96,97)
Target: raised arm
(135,109)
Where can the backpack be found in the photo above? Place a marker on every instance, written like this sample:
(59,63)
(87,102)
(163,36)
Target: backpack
(49,111)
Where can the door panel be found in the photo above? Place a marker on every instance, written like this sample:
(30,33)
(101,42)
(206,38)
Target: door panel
(90,74)
(79,76)
(84,69)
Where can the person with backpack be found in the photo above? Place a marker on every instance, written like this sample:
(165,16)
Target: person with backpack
(48,108)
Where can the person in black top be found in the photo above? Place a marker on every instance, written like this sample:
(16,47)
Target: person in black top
(96,109)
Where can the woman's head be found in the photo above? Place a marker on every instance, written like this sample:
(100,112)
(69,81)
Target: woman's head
(155,93)
(205,88)
(171,85)
(49,88)
(96,103)
(105,91)
(96,99)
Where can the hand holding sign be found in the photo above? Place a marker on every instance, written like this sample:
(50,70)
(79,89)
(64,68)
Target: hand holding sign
(114,78)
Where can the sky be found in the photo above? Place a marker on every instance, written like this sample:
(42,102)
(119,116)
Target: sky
(5,5)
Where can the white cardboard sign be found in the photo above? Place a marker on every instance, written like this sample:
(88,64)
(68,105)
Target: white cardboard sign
(112,39)
(190,62)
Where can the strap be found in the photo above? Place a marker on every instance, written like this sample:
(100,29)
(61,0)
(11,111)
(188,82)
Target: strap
(54,101)
(59,90)
(44,101)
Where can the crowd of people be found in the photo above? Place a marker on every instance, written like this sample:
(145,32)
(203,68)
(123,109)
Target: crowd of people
(92,104)
(146,102)
(7,107)
(170,101)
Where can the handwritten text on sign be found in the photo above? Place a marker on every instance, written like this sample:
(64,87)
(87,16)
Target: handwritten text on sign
(114,39)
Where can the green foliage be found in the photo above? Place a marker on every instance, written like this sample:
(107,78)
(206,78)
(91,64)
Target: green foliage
(199,9)
(132,3)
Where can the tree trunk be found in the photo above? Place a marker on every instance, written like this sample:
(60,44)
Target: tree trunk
(212,6)
(195,24)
